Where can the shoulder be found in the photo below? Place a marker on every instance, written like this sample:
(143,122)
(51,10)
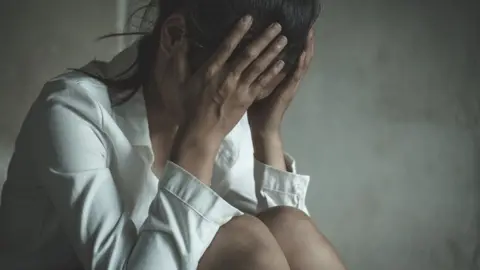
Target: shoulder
(64,127)
(76,92)
(70,107)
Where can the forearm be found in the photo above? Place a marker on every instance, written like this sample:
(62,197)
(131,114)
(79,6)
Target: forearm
(268,149)
(277,182)
(195,152)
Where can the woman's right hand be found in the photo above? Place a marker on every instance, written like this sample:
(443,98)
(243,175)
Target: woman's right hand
(224,92)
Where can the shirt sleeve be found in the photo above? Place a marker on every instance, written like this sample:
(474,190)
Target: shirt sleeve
(73,164)
(275,187)
(251,185)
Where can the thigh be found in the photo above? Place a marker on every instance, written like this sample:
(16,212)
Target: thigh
(241,244)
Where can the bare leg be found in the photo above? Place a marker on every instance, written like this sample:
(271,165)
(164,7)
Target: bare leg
(303,245)
(244,243)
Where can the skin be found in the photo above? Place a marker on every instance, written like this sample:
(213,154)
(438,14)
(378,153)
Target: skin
(266,115)
(190,114)
(180,124)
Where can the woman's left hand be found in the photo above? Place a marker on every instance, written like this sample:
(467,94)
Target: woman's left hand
(266,115)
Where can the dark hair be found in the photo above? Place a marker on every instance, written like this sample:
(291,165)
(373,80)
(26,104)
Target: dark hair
(208,22)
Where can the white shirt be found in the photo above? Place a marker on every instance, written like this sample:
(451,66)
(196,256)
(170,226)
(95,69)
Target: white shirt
(80,192)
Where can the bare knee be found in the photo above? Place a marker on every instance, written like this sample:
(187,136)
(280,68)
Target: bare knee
(292,224)
(283,219)
(244,243)
(299,238)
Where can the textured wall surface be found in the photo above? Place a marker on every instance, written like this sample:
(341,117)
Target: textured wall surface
(387,123)
(388,126)
(39,40)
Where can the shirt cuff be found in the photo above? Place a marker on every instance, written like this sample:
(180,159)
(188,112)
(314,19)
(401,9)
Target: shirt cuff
(290,163)
(280,188)
(188,213)
(196,195)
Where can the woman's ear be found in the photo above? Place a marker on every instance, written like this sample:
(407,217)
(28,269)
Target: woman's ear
(173,33)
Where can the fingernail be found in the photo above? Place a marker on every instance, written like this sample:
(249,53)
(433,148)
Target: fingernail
(279,64)
(282,41)
(276,27)
(247,19)
(310,33)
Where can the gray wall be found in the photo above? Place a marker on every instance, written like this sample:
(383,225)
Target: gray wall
(387,123)
(39,40)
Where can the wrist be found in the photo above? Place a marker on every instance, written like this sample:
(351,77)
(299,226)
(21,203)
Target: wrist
(195,152)
(199,137)
(268,149)
(202,144)
(266,137)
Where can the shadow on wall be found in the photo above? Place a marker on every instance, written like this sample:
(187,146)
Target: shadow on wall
(41,39)
(5,156)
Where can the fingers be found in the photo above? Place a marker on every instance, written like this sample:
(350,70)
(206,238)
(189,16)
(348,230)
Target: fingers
(226,49)
(181,62)
(303,63)
(265,79)
(310,47)
(286,91)
(256,48)
(299,71)
(264,61)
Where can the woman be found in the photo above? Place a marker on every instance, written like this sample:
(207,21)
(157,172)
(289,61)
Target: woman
(154,168)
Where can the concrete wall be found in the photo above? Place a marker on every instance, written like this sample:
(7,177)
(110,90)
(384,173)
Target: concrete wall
(388,126)
(387,123)
(39,40)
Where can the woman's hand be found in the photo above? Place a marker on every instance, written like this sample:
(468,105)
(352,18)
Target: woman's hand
(222,94)
(266,116)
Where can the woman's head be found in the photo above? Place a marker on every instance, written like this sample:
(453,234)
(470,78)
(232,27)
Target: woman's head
(208,22)
(204,24)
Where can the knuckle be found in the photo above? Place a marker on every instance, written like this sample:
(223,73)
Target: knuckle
(235,75)
(256,68)
(297,77)
(210,72)
(228,46)
(230,82)
(245,102)
(263,80)
(251,52)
